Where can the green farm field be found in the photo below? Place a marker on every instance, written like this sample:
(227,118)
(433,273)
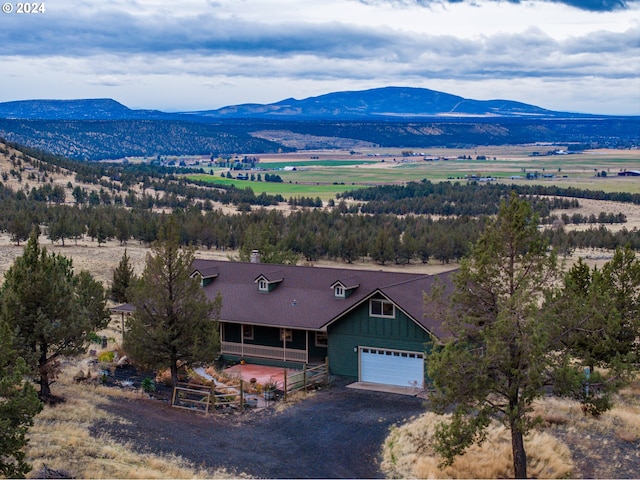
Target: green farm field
(329,173)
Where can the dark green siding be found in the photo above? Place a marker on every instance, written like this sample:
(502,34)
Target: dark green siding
(358,329)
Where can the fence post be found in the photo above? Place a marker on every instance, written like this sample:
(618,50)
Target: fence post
(304,377)
(241,396)
(285,386)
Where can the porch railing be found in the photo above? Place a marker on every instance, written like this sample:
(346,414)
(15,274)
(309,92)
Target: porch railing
(261,351)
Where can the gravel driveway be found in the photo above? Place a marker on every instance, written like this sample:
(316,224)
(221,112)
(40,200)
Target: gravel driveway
(336,433)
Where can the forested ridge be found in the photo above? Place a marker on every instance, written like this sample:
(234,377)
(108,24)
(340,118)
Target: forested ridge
(111,139)
(111,203)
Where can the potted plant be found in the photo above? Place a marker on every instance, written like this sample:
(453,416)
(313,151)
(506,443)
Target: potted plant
(270,389)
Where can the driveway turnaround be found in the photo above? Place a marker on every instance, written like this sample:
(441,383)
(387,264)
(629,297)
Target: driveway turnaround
(334,433)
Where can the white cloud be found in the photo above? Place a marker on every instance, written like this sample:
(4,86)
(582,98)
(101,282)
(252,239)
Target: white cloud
(191,54)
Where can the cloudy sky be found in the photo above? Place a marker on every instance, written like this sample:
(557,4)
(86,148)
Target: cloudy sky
(569,55)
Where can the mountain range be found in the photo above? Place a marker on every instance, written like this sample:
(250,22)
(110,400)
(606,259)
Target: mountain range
(400,103)
(98,129)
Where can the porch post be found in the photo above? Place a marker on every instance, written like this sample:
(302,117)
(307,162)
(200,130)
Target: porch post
(306,347)
(284,343)
(122,323)
(242,339)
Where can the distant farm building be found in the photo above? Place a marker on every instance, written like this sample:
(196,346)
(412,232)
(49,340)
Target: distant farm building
(629,173)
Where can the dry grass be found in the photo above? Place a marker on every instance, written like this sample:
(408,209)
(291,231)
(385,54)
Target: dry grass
(408,453)
(623,419)
(61,439)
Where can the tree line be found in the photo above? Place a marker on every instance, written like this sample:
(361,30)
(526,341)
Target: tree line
(310,233)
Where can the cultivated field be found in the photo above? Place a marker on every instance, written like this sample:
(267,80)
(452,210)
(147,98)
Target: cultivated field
(325,173)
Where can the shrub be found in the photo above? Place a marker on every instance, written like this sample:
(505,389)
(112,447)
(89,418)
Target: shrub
(93,337)
(148,385)
(106,357)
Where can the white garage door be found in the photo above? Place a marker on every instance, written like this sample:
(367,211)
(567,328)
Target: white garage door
(391,367)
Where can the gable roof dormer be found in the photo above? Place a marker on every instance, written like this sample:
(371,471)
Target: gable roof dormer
(345,287)
(207,275)
(269,281)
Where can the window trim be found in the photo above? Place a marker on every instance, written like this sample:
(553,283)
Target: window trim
(263,285)
(339,291)
(286,335)
(246,336)
(322,343)
(382,303)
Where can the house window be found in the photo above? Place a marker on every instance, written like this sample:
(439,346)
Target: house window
(247,332)
(321,339)
(263,286)
(339,291)
(381,308)
(286,335)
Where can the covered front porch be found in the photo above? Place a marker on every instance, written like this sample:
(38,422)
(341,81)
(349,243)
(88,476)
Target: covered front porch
(272,343)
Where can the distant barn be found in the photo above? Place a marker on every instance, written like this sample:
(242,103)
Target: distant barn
(629,173)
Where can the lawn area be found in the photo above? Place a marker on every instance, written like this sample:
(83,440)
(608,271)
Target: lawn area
(324,191)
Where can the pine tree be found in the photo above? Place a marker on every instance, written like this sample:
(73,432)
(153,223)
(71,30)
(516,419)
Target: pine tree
(123,277)
(50,309)
(495,365)
(174,324)
(18,405)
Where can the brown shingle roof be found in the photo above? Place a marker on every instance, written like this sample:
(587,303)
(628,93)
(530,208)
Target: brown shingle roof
(303,298)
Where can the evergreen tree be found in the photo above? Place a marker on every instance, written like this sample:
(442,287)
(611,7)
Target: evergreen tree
(50,309)
(600,330)
(123,277)
(20,226)
(384,245)
(18,405)
(174,324)
(496,363)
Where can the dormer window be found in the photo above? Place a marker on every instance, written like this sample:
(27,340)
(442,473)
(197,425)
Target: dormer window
(268,281)
(344,287)
(206,276)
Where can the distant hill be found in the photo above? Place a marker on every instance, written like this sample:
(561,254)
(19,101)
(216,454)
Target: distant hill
(86,109)
(387,102)
(373,104)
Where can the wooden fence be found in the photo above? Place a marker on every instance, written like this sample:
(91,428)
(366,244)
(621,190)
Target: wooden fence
(309,377)
(234,396)
(221,397)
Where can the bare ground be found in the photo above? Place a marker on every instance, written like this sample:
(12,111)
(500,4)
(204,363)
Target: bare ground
(335,433)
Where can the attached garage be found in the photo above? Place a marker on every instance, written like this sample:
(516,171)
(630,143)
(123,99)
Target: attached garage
(391,367)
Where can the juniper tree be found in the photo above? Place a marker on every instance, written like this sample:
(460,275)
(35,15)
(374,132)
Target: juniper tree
(174,324)
(18,405)
(50,309)
(123,277)
(600,308)
(494,365)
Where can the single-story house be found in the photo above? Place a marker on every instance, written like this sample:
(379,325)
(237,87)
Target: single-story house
(370,325)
